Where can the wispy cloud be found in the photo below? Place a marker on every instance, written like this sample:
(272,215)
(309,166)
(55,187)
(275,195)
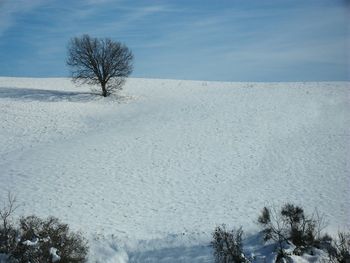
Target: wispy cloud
(244,41)
(98,2)
(103,18)
(234,40)
(9,10)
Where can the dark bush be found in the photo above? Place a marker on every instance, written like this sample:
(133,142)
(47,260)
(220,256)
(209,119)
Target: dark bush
(8,240)
(36,240)
(227,245)
(291,225)
(339,250)
(302,230)
(48,241)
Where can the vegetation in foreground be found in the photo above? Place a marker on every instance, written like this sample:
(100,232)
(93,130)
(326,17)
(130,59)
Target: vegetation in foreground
(38,240)
(290,230)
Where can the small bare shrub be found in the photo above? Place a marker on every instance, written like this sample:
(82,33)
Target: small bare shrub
(274,228)
(227,244)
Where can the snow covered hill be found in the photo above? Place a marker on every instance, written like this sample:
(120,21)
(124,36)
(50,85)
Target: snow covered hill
(158,166)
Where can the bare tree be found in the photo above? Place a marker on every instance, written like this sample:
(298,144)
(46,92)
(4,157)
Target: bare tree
(99,62)
(8,232)
(7,211)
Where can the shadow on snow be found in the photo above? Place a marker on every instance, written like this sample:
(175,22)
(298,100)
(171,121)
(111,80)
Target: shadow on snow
(46,95)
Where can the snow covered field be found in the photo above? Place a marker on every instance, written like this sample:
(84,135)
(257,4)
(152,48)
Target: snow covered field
(148,174)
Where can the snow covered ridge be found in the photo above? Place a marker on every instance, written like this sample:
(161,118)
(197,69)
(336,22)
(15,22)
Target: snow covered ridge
(166,157)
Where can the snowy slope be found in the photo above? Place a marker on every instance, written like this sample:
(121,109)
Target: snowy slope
(165,161)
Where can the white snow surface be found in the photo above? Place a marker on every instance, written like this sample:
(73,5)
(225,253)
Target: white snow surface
(53,253)
(30,242)
(147,174)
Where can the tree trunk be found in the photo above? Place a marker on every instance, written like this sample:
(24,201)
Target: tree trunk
(104,91)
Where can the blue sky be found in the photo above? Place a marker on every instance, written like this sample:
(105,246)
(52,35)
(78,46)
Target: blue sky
(236,40)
